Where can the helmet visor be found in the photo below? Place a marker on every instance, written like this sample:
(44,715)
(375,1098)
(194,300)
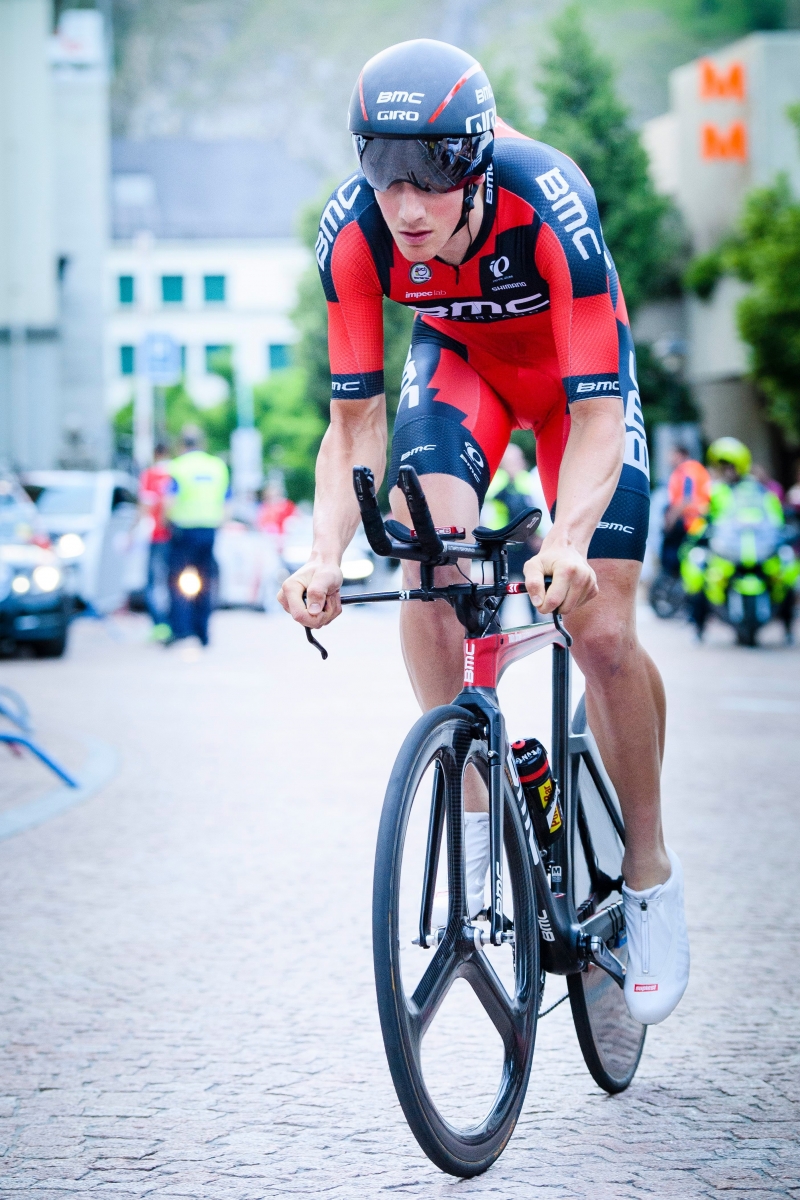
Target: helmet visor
(434,165)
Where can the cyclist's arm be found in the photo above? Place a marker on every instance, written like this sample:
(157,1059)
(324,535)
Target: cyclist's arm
(585,305)
(590,470)
(356,436)
(357,433)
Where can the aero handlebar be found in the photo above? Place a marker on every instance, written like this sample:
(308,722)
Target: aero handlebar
(425,543)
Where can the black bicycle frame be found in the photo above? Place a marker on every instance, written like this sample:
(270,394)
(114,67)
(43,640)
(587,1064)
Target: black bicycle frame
(568,942)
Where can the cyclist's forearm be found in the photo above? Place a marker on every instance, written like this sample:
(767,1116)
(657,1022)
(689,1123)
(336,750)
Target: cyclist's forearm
(590,471)
(356,436)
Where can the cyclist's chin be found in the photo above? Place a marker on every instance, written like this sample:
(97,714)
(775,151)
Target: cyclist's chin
(419,249)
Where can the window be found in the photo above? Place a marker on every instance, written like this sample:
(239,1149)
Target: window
(214,354)
(172,289)
(214,289)
(66,501)
(280,357)
(127,360)
(126,289)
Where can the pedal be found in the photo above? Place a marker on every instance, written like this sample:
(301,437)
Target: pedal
(598,952)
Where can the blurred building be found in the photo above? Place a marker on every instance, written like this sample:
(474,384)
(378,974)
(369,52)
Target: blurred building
(204,249)
(726,132)
(53,233)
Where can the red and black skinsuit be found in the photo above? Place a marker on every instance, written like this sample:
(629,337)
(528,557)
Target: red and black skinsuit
(531,322)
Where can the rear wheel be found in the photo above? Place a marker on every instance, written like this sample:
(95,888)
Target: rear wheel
(611,1041)
(747,626)
(458,1020)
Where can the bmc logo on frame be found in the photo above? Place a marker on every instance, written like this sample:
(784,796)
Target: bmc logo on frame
(469,662)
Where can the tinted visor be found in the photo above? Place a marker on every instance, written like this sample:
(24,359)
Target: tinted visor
(434,165)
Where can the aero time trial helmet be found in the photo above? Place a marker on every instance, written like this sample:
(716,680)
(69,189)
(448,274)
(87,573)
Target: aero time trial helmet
(730,450)
(423,112)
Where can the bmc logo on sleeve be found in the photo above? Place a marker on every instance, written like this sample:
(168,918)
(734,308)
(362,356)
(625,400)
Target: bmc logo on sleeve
(569,208)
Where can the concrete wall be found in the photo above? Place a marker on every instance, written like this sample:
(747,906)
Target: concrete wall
(28,293)
(81,129)
(53,226)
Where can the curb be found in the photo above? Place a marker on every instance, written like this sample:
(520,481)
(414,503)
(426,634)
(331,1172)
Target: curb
(100,766)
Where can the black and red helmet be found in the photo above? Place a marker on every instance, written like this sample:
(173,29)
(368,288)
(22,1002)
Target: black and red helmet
(423,112)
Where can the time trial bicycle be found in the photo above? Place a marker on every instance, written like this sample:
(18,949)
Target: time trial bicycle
(553,908)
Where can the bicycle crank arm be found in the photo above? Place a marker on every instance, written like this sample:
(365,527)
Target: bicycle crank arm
(597,951)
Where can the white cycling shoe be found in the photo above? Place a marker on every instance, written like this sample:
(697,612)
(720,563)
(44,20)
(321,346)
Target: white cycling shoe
(658,947)
(476,860)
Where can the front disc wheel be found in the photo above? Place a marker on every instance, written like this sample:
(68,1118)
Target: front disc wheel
(458,1019)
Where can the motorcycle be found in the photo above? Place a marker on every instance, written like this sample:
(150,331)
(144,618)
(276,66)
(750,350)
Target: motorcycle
(743,570)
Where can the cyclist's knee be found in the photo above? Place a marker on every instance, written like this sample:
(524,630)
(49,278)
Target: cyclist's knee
(605,645)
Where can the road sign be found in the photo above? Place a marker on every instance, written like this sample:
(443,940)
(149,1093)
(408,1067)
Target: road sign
(161,359)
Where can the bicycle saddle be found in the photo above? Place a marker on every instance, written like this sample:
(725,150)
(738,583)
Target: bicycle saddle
(518,530)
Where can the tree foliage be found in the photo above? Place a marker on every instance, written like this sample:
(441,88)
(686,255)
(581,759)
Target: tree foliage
(728,18)
(291,429)
(764,252)
(586,120)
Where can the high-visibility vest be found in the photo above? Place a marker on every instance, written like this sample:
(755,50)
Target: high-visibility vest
(199,490)
(507,497)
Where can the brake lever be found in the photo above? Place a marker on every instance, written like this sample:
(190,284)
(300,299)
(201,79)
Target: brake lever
(310,637)
(315,643)
(557,621)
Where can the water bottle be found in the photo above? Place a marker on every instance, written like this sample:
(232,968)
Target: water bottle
(540,790)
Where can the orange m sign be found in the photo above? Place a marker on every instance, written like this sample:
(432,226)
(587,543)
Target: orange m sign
(721,84)
(730,143)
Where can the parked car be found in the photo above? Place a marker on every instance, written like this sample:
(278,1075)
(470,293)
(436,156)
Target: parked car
(89,516)
(33,605)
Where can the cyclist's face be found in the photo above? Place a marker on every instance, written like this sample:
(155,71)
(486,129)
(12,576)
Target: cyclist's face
(421,223)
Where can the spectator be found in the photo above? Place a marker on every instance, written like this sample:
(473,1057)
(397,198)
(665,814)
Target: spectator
(689,493)
(275,508)
(197,493)
(153,484)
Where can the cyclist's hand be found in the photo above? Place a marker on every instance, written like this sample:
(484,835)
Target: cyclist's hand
(312,594)
(574,581)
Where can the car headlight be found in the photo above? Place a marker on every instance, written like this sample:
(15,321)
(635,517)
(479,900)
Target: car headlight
(71,545)
(46,578)
(20,584)
(355,569)
(190,582)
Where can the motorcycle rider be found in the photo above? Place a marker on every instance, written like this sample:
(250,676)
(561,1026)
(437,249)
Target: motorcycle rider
(735,490)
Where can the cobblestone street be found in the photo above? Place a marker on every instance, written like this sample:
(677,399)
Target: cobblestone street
(186,988)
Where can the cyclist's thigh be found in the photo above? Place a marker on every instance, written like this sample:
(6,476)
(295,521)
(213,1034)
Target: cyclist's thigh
(450,422)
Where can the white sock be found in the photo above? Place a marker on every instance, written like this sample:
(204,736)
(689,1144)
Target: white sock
(476,857)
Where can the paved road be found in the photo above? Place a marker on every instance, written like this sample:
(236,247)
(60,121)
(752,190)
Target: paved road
(186,988)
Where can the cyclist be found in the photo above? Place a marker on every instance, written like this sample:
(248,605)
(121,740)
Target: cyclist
(494,240)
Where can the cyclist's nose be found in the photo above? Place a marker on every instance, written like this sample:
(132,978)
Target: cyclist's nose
(411,209)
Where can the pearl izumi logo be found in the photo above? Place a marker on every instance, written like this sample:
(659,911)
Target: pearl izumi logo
(420,273)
